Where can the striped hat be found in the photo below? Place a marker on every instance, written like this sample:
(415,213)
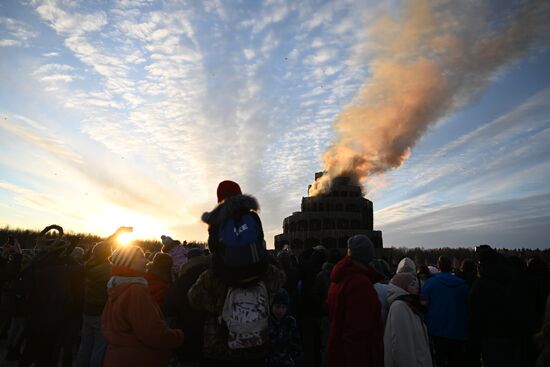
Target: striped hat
(124,255)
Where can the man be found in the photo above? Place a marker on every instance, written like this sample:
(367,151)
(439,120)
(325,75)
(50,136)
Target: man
(499,310)
(356,331)
(52,284)
(447,318)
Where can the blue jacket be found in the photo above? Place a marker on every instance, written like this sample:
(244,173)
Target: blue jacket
(447,297)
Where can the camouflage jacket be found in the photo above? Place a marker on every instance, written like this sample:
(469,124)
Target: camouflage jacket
(208,294)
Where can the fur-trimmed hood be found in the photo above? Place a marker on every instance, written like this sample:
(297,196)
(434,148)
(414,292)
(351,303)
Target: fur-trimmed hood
(229,208)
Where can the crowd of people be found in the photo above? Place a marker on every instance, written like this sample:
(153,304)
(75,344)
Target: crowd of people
(236,304)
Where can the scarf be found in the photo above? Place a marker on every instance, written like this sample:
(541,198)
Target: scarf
(123,275)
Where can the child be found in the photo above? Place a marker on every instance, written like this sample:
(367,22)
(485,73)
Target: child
(159,276)
(285,348)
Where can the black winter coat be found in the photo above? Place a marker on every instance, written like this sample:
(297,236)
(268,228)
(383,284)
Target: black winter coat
(53,284)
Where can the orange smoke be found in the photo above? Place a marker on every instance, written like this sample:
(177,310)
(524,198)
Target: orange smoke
(437,57)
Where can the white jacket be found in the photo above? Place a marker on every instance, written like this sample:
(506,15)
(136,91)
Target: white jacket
(406,341)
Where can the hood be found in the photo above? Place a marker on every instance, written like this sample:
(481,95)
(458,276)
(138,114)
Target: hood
(393,292)
(229,208)
(119,289)
(345,268)
(195,262)
(449,280)
(406,265)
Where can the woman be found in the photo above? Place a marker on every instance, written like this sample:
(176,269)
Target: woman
(132,322)
(406,341)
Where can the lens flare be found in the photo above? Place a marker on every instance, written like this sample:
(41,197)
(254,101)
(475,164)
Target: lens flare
(125,238)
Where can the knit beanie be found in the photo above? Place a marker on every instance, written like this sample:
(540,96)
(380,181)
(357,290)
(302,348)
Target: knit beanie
(227,189)
(166,240)
(406,265)
(403,280)
(281,297)
(361,249)
(124,255)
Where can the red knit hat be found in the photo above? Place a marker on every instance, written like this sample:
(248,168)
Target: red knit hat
(227,189)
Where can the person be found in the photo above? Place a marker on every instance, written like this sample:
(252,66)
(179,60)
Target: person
(423,273)
(497,310)
(320,292)
(311,311)
(356,331)
(11,301)
(543,338)
(180,313)
(539,288)
(288,262)
(468,271)
(447,315)
(97,273)
(51,282)
(406,265)
(406,342)
(234,292)
(159,277)
(381,287)
(285,347)
(233,207)
(132,322)
(78,255)
(176,251)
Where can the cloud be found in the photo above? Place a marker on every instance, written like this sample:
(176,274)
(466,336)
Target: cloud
(320,57)
(505,223)
(29,198)
(69,22)
(14,33)
(48,143)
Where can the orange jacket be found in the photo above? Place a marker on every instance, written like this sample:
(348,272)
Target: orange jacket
(133,325)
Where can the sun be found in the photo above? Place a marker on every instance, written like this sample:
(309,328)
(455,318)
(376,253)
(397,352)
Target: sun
(125,238)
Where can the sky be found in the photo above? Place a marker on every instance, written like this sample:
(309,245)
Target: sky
(131,112)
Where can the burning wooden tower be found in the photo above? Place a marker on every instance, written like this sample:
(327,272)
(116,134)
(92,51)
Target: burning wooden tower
(330,219)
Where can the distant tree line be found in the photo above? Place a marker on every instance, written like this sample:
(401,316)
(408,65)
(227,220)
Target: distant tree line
(429,256)
(27,239)
(421,256)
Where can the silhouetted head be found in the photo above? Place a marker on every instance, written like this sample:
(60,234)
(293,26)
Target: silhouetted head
(361,249)
(444,264)
(537,266)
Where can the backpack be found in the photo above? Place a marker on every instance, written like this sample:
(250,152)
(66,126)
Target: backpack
(246,315)
(242,240)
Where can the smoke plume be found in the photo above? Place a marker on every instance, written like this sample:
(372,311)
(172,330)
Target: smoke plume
(424,63)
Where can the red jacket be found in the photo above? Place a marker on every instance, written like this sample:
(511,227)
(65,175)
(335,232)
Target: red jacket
(133,326)
(356,336)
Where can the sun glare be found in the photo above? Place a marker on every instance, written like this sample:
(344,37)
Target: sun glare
(125,238)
